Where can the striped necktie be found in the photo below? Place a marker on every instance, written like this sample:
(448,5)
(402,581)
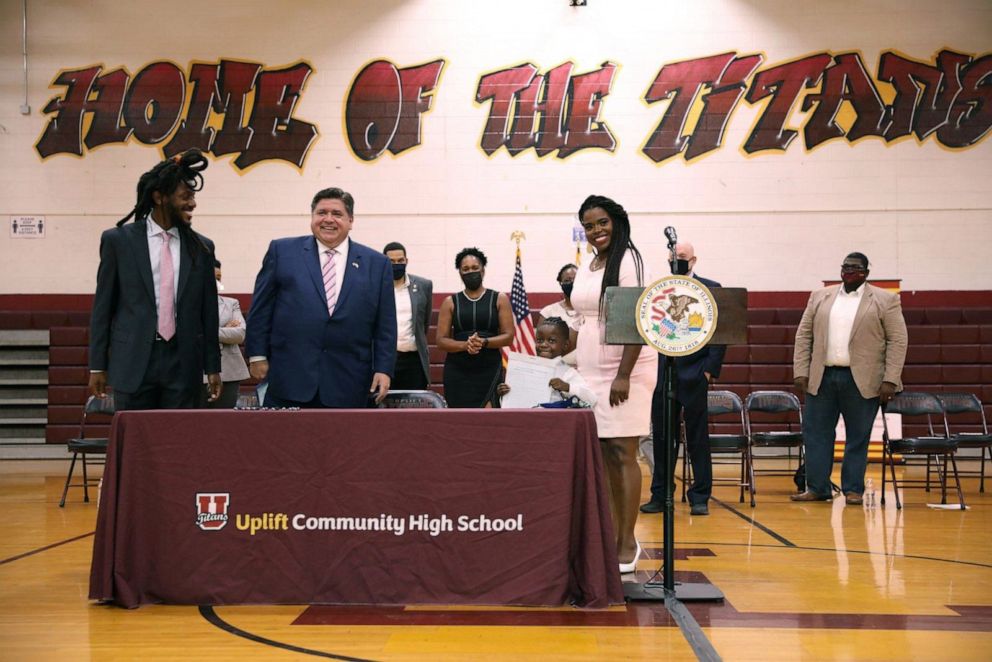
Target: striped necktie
(330,280)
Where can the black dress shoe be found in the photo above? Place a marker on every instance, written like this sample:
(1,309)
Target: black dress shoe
(810,496)
(652,507)
(699,509)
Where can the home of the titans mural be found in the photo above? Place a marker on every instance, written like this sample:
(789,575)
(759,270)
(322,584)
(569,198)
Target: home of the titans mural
(244,109)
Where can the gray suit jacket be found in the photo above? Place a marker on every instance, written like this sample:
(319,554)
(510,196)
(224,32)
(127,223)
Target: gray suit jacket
(232,363)
(877,345)
(124,317)
(421,302)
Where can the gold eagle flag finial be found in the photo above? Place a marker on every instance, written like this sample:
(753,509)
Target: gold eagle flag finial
(518,236)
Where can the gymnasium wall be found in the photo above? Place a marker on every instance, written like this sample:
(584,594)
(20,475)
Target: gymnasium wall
(777,136)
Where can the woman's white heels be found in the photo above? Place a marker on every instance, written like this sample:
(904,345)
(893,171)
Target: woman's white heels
(632,566)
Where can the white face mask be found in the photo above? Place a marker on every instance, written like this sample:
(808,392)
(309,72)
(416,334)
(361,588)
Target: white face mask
(220,286)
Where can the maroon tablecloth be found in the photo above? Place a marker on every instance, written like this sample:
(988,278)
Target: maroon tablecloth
(343,502)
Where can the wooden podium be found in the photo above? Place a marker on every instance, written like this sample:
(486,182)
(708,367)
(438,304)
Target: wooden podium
(621,303)
(622,317)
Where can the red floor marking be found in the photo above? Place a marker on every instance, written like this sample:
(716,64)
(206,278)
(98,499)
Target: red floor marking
(648,614)
(970,618)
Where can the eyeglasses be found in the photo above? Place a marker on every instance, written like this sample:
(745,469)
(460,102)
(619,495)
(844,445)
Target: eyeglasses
(849,268)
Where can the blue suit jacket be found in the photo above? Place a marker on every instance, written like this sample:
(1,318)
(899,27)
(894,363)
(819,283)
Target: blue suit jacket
(690,380)
(311,353)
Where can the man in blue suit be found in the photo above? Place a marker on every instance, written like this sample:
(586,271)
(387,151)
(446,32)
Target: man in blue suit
(693,375)
(322,323)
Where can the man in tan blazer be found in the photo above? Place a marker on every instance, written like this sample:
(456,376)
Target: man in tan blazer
(233,369)
(849,353)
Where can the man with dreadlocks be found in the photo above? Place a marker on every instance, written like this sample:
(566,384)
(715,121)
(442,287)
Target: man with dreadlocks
(153,330)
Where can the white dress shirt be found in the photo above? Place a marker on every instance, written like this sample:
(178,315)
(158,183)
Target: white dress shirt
(839,327)
(577,386)
(155,233)
(405,340)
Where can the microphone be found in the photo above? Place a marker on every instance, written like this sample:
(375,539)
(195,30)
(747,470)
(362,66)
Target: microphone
(672,237)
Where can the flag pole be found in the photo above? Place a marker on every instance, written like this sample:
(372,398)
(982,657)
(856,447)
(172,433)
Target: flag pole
(523,325)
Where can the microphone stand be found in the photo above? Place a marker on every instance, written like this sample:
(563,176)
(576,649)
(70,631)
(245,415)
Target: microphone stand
(669,436)
(667,591)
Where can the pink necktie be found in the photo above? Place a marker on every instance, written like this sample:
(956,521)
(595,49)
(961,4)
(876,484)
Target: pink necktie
(330,280)
(167,292)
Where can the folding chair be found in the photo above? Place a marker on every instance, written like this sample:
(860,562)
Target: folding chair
(102,408)
(412,400)
(938,449)
(725,405)
(790,415)
(968,403)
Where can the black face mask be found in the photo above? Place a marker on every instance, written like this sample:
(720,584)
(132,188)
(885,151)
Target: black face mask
(681,267)
(567,289)
(472,280)
(399,270)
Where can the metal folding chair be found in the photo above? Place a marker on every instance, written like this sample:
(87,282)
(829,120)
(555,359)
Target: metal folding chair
(102,408)
(968,403)
(934,447)
(725,406)
(789,416)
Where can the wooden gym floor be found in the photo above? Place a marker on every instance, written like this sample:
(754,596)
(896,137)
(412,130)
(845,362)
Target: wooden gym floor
(813,581)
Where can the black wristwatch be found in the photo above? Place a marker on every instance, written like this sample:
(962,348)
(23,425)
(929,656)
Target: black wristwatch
(485,343)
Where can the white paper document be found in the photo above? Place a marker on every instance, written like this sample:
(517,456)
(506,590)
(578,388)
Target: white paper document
(528,377)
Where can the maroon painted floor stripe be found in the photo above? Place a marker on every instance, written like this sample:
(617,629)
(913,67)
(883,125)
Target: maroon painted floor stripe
(46,547)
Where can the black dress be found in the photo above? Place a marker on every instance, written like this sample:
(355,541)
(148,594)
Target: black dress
(470,381)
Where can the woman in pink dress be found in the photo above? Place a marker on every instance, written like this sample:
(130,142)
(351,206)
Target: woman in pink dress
(622,376)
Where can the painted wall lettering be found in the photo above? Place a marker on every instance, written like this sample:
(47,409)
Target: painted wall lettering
(151,108)
(554,111)
(241,108)
(724,78)
(384,107)
(949,99)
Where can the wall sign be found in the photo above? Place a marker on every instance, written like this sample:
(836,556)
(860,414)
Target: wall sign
(27,227)
(242,108)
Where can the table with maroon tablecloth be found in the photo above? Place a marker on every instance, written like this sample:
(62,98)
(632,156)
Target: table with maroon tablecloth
(394,506)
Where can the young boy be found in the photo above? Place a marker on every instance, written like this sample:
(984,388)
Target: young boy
(551,336)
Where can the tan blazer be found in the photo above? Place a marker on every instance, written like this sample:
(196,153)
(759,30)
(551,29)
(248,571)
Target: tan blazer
(878,340)
(232,362)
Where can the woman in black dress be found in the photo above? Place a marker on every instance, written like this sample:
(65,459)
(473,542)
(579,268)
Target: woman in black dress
(472,325)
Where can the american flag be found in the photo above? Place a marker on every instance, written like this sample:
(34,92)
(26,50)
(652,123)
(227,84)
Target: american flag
(523,324)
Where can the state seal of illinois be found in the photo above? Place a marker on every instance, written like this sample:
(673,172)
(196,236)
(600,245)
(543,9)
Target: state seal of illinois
(676,315)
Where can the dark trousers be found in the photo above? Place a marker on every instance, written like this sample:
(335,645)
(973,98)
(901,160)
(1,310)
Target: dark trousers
(837,396)
(409,374)
(698,446)
(160,389)
(228,397)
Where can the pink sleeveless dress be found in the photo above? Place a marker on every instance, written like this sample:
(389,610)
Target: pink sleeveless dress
(597,362)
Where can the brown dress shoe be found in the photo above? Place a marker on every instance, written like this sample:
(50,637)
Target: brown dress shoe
(854,499)
(809,496)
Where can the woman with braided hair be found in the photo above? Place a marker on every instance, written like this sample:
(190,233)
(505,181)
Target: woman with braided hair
(622,376)
(154,328)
